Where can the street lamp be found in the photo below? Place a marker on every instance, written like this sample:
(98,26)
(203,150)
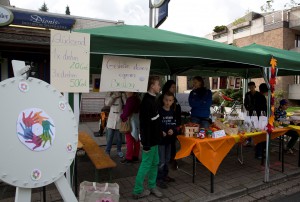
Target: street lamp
(153,4)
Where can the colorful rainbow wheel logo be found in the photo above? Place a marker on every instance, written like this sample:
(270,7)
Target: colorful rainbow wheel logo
(35,129)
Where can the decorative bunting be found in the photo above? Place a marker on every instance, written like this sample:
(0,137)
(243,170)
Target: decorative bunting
(272,83)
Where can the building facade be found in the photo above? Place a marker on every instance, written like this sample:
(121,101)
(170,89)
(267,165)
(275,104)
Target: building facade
(279,29)
(26,37)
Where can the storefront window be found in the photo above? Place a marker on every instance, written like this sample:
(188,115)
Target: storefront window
(297,41)
(215,83)
(223,82)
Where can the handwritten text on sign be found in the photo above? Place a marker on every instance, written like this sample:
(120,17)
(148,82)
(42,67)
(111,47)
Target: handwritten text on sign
(124,74)
(70,61)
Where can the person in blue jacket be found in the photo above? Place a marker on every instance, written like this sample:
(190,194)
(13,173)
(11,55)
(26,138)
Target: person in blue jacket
(200,100)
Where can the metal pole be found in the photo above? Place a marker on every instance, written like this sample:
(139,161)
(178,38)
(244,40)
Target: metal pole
(150,14)
(267,75)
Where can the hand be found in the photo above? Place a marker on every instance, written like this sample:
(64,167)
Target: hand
(170,132)
(164,134)
(29,120)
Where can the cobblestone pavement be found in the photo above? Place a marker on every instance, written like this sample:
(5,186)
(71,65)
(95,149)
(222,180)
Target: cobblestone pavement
(274,192)
(233,181)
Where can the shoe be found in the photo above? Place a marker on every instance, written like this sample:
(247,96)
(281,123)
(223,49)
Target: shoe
(247,144)
(295,149)
(290,152)
(156,192)
(169,179)
(145,193)
(161,184)
(258,157)
(174,165)
(120,154)
(135,159)
(125,161)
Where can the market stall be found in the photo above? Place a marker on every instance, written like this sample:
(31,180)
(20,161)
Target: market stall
(177,54)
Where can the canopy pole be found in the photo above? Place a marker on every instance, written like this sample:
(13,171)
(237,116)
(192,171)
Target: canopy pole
(150,14)
(267,75)
(245,84)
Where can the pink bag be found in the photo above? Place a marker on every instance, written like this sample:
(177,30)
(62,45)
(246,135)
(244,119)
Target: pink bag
(98,192)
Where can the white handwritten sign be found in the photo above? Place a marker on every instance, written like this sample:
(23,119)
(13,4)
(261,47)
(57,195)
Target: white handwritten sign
(124,74)
(70,61)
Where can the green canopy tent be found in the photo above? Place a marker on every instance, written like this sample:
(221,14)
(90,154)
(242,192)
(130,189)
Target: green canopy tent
(173,53)
(288,62)
(177,54)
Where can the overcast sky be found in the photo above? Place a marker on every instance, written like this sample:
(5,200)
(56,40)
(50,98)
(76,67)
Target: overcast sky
(193,17)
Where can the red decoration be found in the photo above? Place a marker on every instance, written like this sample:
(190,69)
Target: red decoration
(272,82)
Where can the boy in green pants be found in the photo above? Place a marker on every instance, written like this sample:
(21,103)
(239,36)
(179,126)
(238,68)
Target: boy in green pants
(150,131)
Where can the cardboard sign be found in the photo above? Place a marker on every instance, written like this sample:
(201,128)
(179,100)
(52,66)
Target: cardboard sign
(124,74)
(70,61)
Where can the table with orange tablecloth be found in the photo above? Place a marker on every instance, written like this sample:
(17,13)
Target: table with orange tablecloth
(209,151)
(277,132)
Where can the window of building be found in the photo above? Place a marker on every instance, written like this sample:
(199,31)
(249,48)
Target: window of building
(242,29)
(297,41)
(215,83)
(238,83)
(223,82)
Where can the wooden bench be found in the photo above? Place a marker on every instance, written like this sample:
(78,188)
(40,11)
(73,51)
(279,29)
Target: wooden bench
(96,154)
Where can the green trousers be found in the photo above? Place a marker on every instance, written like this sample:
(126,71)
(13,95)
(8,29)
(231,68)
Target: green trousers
(149,166)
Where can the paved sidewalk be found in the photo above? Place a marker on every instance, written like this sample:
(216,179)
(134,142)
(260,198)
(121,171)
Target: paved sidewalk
(233,181)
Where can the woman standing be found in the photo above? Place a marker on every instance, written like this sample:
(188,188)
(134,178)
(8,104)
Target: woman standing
(200,100)
(131,111)
(115,101)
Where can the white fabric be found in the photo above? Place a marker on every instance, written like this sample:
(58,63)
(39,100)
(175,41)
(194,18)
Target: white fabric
(114,120)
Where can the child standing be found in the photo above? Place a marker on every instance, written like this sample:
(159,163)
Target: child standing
(168,125)
(150,133)
(131,111)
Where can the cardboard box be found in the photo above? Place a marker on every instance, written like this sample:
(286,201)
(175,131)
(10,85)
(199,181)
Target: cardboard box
(190,129)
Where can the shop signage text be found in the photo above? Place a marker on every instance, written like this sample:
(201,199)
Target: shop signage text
(40,20)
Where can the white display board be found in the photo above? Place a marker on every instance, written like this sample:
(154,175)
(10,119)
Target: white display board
(124,74)
(70,61)
(39,133)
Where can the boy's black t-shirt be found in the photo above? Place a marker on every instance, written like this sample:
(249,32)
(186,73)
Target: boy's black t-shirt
(168,121)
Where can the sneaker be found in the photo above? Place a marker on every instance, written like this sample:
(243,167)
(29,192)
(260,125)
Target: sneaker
(125,161)
(120,154)
(295,149)
(169,179)
(156,192)
(290,152)
(135,159)
(145,193)
(161,184)
(174,165)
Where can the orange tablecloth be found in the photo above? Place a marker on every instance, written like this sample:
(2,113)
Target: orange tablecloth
(276,133)
(209,151)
